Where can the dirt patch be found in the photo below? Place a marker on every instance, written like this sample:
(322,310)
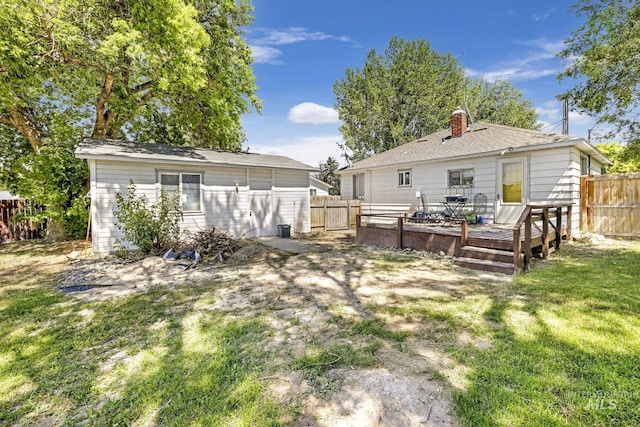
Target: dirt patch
(313,299)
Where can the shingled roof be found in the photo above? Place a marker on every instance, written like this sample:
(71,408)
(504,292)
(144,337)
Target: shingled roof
(481,139)
(109,149)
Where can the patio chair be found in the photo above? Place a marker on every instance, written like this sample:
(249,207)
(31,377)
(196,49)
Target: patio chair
(425,214)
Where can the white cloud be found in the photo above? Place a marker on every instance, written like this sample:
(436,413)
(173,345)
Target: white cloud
(296,35)
(265,39)
(580,119)
(537,60)
(550,110)
(543,16)
(512,74)
(544,125)
(310,150)
(309,112)
(265,54)
(550,114)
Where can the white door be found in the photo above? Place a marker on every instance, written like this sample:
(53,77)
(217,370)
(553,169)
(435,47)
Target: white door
(512,192)
(260,214)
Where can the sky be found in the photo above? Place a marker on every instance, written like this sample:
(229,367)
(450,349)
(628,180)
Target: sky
(301,48)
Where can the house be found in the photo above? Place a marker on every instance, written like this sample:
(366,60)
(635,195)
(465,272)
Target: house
(498,169)
(242,193)
(319,188)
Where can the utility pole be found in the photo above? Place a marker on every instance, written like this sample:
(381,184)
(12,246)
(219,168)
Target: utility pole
(565,117)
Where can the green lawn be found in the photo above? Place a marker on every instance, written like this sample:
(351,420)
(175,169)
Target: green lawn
(557,346)
(145,358)
(564,341)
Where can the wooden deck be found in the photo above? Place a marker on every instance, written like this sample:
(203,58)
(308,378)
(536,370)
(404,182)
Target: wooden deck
(507,249)
(488,236)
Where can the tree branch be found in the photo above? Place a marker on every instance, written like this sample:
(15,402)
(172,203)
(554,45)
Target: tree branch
(142,87)
(145,98)
(22,119)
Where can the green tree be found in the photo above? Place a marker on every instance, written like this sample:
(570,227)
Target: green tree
(500,102)
(411,91)
(174,71)
(329,174)
(604,56)
(625,158)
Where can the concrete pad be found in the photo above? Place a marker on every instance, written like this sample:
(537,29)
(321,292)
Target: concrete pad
(291,245)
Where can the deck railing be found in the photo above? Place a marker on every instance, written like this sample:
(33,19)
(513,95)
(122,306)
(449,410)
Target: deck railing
(389,229)
(539,216)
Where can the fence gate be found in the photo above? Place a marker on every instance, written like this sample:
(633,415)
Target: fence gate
(330,213)
(610,204)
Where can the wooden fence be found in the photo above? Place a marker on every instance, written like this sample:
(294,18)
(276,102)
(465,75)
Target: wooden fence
(610,204)
(15,223)
(330,213)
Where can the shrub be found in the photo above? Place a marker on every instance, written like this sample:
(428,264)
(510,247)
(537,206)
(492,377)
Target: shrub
(153,228)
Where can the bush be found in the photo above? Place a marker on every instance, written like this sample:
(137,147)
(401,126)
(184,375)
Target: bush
(153,228)
(55,179)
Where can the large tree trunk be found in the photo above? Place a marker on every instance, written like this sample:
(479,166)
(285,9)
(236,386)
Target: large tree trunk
(22,119)
(104,116)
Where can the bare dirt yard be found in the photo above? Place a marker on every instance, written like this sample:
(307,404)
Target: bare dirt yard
(326,308)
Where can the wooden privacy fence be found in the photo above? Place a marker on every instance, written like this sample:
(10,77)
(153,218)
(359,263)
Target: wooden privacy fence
(15,223)
(610,204)
(330,213)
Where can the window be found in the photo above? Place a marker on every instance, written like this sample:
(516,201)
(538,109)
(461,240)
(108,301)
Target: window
(512,182)
(358,186)
(188,184)
(404,178)
(313,192)
(584,165)
(461,178)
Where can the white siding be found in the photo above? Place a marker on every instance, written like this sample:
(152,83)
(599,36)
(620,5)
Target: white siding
(319,191)
(112,178)
(291,199)
(346,186)
(225,197)
(554,175)
(381,185)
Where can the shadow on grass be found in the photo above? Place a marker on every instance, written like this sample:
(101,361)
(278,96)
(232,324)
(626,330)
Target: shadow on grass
(566,348)
(127,361)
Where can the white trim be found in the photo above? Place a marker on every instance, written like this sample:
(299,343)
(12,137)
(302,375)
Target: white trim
(93,188)
(185,162)
(318,183)
(401,174)
(180,173)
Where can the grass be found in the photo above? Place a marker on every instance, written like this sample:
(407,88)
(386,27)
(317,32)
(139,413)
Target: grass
(376,328)
(318,361)
(146,358)
(566,345)
(564,341)
(557,346)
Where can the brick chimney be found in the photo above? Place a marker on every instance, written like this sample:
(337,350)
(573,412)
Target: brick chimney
(458,123)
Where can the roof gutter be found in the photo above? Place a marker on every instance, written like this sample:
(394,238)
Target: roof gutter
(122,158)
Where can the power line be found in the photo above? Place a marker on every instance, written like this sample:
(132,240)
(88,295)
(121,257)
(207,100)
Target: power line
(554,124)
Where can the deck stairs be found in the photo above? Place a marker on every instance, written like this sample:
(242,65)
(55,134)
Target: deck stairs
(479,257)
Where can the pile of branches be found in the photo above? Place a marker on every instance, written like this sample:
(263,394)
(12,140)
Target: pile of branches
(214,244)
